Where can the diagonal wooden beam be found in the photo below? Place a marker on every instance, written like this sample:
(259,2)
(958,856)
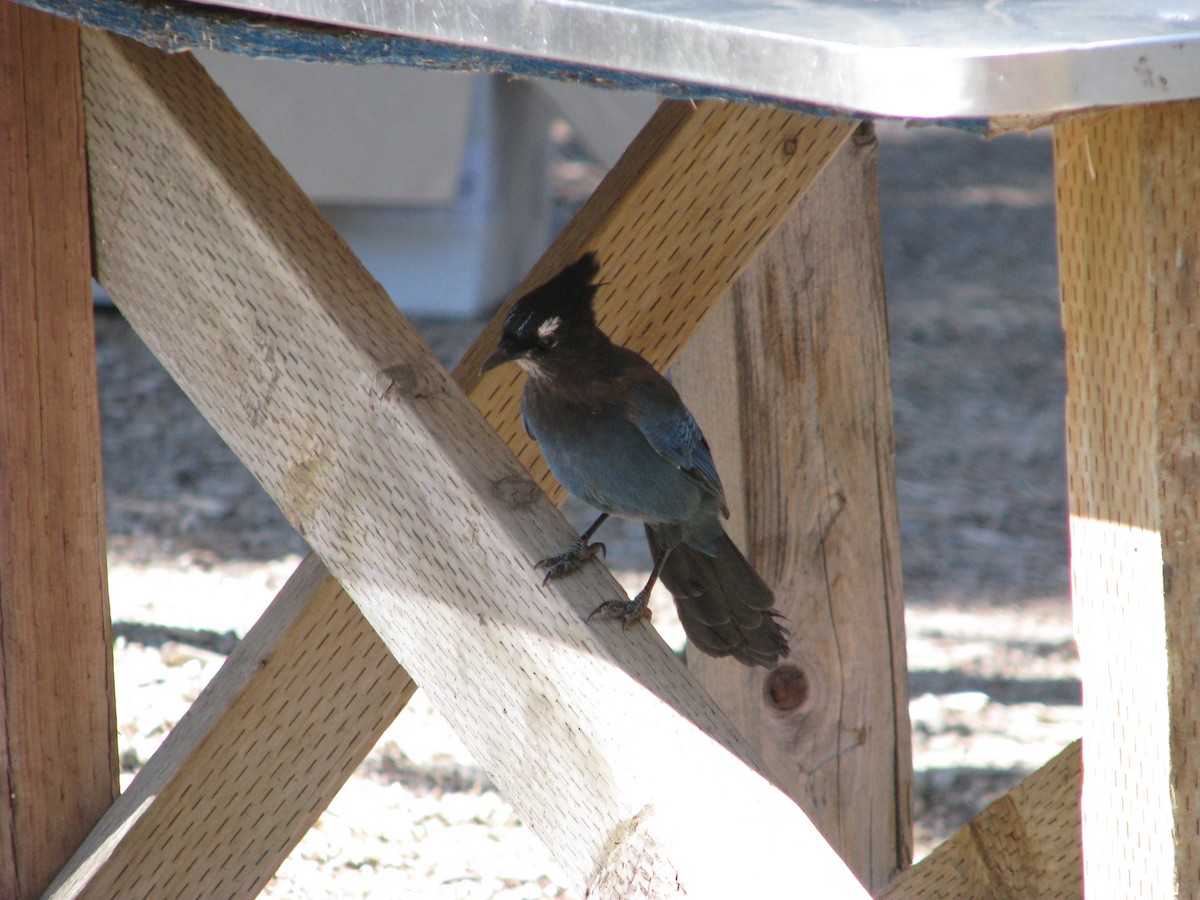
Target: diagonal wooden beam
(1026,844)
(230,792)
(298,358)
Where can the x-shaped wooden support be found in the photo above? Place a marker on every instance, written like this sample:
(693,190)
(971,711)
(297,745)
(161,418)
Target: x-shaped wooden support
(299,360)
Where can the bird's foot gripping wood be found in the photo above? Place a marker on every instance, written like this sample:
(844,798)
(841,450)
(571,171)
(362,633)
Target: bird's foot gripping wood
(565,563)
(628,611)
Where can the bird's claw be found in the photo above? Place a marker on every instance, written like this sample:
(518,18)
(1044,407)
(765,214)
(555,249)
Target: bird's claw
(628,611)
(565,563)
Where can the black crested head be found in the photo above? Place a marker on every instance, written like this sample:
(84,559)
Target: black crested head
(553,318)
(568,295)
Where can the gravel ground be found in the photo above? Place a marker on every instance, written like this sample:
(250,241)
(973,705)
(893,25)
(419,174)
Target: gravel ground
(197,550)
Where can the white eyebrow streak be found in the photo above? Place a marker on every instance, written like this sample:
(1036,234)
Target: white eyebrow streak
(549,327)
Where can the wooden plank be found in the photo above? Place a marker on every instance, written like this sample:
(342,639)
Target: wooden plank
(789,380)
(58,763)
(302,363)
(1026,844)
(1128,207)
(228,761)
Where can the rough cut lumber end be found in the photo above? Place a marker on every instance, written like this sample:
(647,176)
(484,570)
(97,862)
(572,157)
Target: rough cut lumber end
(1026,844)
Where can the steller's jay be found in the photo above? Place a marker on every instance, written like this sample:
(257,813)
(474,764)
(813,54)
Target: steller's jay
(615,433)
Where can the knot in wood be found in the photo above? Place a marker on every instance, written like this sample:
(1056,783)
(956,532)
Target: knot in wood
(788,688)
(864,134)
(516,491)
(405,379)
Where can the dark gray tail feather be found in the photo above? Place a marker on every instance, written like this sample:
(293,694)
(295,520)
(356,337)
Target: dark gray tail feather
(724,605)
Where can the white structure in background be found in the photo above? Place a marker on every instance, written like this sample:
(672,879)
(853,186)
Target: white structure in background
(438,180)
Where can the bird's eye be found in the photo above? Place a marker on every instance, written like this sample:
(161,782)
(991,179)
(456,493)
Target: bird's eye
(547,340)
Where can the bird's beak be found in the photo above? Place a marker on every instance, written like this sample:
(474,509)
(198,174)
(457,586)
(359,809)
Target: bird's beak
(499,356)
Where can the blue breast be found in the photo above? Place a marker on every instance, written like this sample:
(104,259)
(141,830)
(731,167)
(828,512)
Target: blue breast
(607,462)
(621,440)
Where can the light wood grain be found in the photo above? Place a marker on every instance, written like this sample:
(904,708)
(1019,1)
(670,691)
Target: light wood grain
(1024,845)
(199,819)
(301,362)
(1128,208)
(57,723)
(789,380)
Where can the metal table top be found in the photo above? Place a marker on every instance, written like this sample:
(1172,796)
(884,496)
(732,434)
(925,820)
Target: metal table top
(937,59)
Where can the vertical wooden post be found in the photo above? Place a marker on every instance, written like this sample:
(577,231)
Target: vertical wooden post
(57,721)
(789,379)
(1129,250)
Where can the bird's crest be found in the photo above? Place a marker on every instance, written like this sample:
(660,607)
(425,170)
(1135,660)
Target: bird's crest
(567,297)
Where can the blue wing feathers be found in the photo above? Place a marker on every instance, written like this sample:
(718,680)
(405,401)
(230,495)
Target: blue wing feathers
(672,431)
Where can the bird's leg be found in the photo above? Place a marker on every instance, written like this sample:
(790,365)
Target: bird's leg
(575,556)
(629,611)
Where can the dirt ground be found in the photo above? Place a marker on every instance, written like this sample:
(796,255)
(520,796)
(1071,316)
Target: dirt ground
(197,550)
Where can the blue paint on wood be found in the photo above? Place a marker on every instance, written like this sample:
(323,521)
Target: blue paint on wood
(175,27)
(183,26)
